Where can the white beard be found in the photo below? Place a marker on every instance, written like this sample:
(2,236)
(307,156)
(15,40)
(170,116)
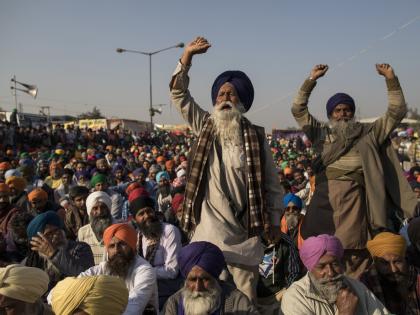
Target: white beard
(201,303)
(227,123)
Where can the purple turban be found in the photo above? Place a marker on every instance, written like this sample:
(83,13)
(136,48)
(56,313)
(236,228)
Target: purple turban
(292,198)
(240,81)
(315,247)
(339,98)
(203,254)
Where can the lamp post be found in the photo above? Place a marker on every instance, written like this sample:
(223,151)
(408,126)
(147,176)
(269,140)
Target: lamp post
(29,89)
(152,110)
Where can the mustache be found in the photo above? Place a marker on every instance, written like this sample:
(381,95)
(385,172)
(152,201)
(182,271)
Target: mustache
(335,279)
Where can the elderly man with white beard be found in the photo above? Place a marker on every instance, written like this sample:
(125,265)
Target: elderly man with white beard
(232,194)
(360,187)
(325,290)
(200,264)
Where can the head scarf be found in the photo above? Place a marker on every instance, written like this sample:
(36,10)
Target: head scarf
(38,193)
(41,220)
(414,231)
(95,197)
(387,243)
(240,81)
(337,99)
(163,174)
(139,203)
(19,183)
(98,178)
(292,198)
(23,283)
(203,254)
(4,188)
(103,294)
(315,247)
(123,232)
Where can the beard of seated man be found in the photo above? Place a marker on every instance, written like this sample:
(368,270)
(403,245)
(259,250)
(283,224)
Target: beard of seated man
(151,228)
(202,302)
(227,122)
(346,125)
(328,288)
(398,278)
(119,264)
(292,220)
(99,224)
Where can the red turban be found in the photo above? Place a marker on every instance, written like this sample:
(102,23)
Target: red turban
(4,166)
(123,232)
(136,193)
(131,187)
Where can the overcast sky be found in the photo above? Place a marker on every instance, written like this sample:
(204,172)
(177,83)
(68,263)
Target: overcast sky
(67,48)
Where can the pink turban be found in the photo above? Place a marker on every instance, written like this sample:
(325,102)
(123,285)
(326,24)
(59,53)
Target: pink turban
(315,247)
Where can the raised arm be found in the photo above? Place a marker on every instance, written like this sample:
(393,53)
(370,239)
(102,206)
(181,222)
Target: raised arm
(180,95)
(397,107)
(305,120)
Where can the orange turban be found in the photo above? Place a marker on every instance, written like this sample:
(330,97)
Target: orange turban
(288,171)
(123,232)
(387,243)
(38,193)
(4,188)
(160,159)
(4,166)
(17,182)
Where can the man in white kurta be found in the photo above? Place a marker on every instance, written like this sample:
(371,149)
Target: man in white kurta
(226,183)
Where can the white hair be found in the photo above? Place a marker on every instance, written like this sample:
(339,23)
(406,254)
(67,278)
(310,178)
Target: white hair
(201,302)
(228,122)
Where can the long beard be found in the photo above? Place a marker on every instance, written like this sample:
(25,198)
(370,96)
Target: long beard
(201,303)
(343,126)
(292,221)
(99,225)
(326,289)
(119,264)
(227,124)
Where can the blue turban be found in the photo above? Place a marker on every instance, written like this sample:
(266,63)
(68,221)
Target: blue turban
(240,81)
(340,98)
(292,198)
(203,254)
(161,174)
(41,220)
(140,170)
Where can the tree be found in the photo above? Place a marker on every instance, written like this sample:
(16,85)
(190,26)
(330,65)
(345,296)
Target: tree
(94,114)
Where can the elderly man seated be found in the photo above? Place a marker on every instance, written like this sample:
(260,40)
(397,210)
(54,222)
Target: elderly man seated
(105,295)
(98,206)
(292,218)
(140,278)
(21,289)
(325,289)
(52,252)
(201,264)
(390,278)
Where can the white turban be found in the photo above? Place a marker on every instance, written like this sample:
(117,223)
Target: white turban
(23,283)
(95,197)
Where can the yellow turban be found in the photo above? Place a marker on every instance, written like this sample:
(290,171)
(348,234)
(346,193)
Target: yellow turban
(387,243)
(23,283)
(104,295)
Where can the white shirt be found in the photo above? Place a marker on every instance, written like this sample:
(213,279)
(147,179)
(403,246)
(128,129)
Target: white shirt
(141,284)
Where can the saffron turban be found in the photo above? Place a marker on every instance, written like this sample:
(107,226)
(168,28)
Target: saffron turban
(19,183)
(287,171)
(292,198)
(337,99)
(387,243)
(105,295)
(4,166)
(4,188)
(23,283)
(315,247)
(240,81)
(160,159)
(123,232)
(38,193)
(203,254)
(95,197)
(161,175)
(140,202)
(41,220)
(98,178)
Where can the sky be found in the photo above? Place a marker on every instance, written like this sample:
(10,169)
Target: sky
(68,49)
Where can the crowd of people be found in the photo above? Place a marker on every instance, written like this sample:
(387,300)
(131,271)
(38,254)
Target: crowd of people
(220,220)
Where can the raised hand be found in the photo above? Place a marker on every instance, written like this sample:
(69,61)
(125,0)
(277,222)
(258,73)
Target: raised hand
(318,71)
(385,70)
(42,245)
(197,46)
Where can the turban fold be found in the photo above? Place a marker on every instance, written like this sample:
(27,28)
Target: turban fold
(95,197)
(123,232)
(240,81)
(414,231)
(98,178)
(387,243)
(287,171)
(136,193)
(203,254)
(41,220)
(105,295)
(4,188)
(23,283)
(38,193)
(17,182)
(292,198)
(337,99)
(315,247)
(140,202)
(163,174)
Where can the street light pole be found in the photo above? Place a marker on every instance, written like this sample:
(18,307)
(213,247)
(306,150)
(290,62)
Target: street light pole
(150,54)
